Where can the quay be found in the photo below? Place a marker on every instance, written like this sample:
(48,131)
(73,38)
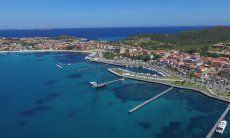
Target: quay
(219,120)
(150,100)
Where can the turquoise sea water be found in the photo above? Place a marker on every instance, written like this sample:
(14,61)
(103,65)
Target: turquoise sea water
(39,100)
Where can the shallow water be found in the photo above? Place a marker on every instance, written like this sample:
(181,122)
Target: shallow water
(39,100)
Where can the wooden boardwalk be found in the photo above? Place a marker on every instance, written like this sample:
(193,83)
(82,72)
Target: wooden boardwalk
(219,120)
(150,100)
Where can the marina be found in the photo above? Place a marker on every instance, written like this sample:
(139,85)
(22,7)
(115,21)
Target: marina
(112,103)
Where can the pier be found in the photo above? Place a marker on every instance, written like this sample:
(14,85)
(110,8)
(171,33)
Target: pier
(150,100)
(219,120)
(109,82)
(95,85)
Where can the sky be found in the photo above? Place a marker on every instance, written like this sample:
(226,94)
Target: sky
(35,14)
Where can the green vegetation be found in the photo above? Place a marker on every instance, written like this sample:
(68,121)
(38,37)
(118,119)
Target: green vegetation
(189,41)
(213,55)
(155,57)
(109,55)
(207,36)
(143,57)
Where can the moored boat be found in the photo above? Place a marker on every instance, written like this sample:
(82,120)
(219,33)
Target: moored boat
(221,127)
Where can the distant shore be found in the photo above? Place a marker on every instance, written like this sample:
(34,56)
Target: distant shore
(36,51)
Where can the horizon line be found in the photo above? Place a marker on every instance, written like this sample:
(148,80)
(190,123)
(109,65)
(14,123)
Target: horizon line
(56,28)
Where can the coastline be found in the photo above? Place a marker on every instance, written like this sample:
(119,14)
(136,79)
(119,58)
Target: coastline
(213,96)
(209,94)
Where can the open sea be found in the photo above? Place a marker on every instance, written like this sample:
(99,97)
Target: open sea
(39,100)
(109,34)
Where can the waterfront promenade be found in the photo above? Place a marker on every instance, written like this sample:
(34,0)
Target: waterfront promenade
(169,82)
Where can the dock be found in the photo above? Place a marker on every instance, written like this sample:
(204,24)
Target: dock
(95,85)
(150,100)
(109,82)
(219,120)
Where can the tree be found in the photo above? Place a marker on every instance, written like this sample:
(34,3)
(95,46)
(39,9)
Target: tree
(109,55)
(143,57)
(191,74)
(156,57)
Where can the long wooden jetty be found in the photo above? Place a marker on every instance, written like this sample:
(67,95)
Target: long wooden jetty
(219,120)
(115,81)
(150,100)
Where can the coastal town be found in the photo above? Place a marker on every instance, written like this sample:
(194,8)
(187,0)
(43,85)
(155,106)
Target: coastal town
(45,43)
(211,73)
(114,69)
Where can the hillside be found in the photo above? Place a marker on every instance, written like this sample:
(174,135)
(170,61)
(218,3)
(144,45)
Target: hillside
(183,41)
(207,36)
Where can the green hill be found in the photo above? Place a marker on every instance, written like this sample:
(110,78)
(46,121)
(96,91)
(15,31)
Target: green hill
(187,41)
(207,36)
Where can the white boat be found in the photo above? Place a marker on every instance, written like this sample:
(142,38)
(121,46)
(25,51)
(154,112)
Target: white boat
(221,126)
(93,83)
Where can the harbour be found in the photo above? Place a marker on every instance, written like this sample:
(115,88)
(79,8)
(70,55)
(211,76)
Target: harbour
(69,100)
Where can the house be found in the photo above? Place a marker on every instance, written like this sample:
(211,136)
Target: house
(122,50)
(201,69)
(216,63)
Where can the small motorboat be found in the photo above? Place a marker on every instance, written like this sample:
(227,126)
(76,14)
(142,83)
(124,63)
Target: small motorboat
(221,127)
